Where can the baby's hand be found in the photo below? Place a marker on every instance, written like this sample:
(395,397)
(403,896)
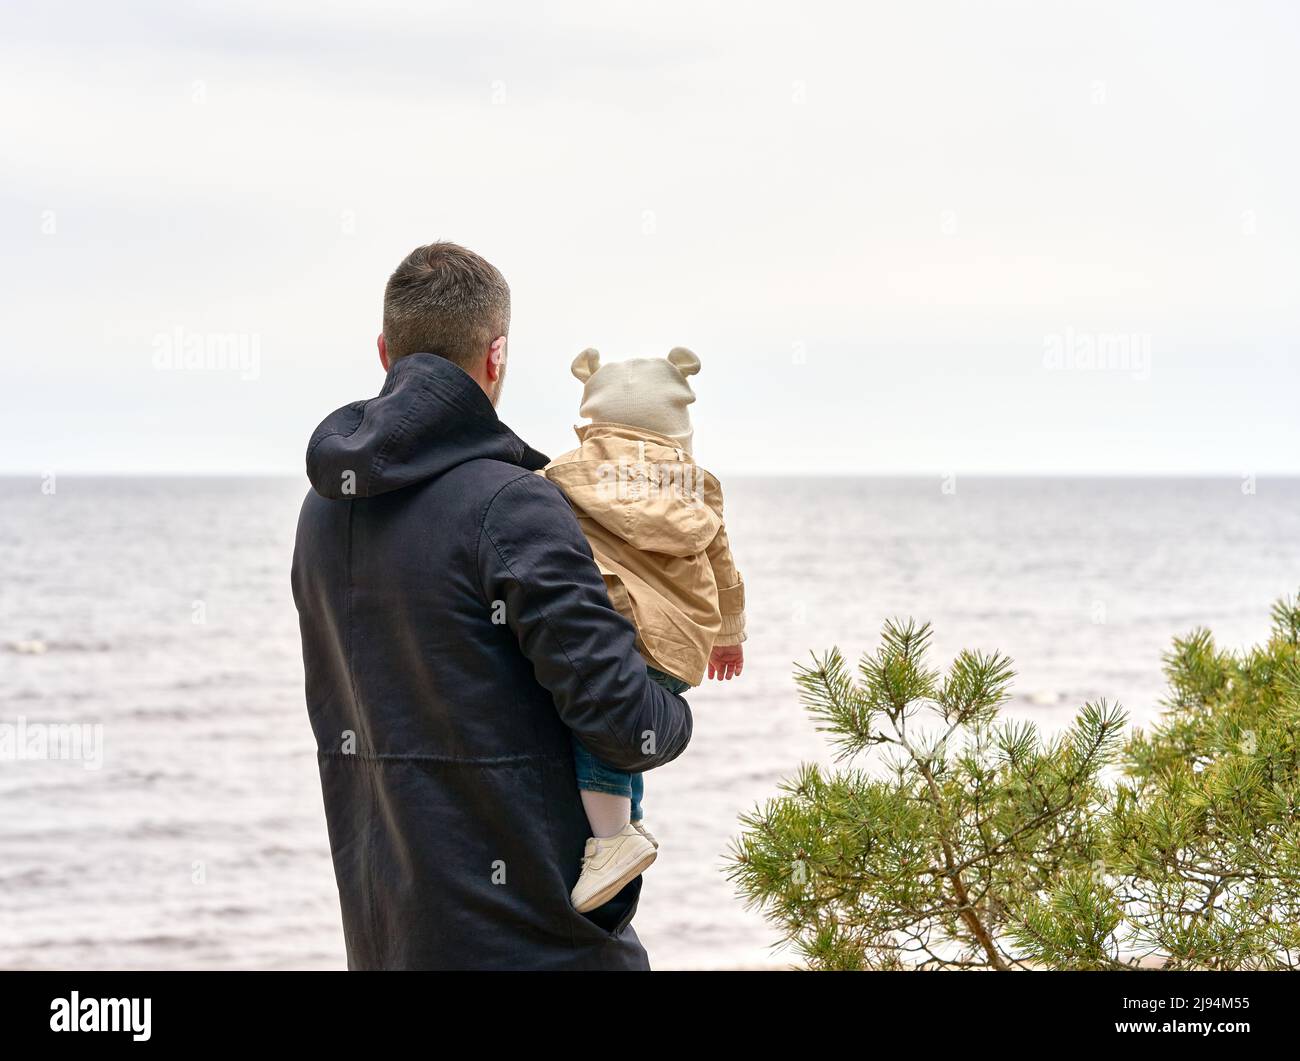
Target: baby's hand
(726,662)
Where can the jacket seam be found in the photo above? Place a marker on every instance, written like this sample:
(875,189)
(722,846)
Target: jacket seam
(478,548)
(478,565)
(361,418)
(448,760)
(356,700)
(482,523)
(582,678)
(418,402)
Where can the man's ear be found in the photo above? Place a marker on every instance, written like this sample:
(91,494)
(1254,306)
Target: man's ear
(683,360)
(585,364)
(496,357)
(383,352)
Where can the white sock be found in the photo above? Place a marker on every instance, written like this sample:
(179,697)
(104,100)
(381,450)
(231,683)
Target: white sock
(607,814)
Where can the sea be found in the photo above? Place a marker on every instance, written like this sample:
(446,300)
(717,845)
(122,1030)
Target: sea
(153,618)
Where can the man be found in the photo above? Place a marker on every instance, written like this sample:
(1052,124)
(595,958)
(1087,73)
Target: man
(455,629)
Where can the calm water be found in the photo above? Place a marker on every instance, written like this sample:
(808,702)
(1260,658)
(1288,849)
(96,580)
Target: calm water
(160,609)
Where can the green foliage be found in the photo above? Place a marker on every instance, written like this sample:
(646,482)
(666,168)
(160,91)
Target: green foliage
(923,855)
(953,839)
(1205,837)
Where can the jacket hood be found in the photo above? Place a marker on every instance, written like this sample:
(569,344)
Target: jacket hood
(640,487)
(429,417)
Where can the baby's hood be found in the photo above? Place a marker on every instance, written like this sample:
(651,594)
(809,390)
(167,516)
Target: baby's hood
(641,487)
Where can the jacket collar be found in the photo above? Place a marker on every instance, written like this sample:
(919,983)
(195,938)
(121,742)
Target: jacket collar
(429,417)
(607,429)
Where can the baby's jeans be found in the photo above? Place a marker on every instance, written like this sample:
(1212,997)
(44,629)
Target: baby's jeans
(596,776)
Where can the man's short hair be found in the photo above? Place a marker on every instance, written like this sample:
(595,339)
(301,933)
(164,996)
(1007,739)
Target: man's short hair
(445,300)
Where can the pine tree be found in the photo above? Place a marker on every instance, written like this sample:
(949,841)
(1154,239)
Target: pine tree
(952,839)
(946,822)
(1203,846)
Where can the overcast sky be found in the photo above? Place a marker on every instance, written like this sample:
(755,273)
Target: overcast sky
(909,237)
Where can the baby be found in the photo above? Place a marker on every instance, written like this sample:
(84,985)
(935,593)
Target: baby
(654,521)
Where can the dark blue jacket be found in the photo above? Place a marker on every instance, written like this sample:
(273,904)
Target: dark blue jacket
(454,631)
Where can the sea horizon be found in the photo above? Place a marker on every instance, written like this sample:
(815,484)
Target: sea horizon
(159,606)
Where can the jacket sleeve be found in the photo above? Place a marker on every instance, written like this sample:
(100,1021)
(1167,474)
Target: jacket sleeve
(731,588)
(532,556)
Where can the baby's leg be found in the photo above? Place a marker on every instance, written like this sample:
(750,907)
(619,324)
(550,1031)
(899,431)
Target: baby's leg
(606,793)
(618,850)
(607,814)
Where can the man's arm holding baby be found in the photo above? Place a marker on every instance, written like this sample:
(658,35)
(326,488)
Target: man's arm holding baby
(533,557)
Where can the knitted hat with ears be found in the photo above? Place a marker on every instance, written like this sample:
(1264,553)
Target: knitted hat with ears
(646,392)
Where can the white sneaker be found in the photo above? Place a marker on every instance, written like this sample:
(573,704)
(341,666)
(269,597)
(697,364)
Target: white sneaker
(608,864)
(640,827)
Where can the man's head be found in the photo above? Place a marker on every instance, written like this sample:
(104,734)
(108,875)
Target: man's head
(446,300)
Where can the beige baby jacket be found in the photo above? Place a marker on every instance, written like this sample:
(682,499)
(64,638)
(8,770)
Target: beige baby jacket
(654,521)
